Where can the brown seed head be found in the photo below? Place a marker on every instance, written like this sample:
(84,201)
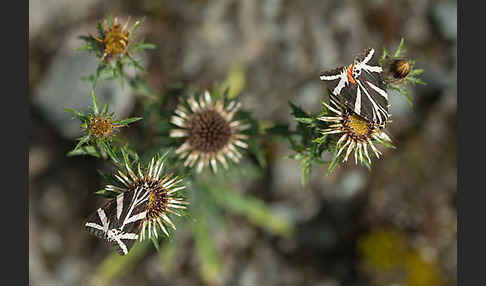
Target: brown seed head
(209,131)
(101,127)
(157,202)
(357,127)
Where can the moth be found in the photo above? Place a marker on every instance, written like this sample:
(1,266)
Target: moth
(361,87)
(118,221)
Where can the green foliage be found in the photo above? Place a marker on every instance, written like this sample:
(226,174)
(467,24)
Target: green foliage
(116,265)
(209,261)
(310,144)
(213,196)
(99,131)
(256,211)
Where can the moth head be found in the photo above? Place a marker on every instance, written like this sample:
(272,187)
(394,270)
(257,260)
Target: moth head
(356,69)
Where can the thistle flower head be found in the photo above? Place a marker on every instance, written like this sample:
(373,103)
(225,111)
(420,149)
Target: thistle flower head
(99,126)
(400,68)
(102,126)
(115,38)
(397,69)
(355,133)
(211,133)
(160,190)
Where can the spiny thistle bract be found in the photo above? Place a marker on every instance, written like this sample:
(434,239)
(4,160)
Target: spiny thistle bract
(210,130)
(99,126)
(355,133)
(141,207)
(400,71)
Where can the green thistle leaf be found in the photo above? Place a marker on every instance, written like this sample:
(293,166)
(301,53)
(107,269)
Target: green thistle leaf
(155,242)
(128,120)
(305,120)
(83,140)
(210,266)
(95,102)
(298,112)
(106,194)
(78,114)
(85,150)
(142,46)
(399,49)
(104,111)
(116,265)
(135,63)
(306,168)
(109,151)
(333,164)
(253,209)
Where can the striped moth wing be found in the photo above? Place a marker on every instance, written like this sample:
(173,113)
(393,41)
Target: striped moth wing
(118,221)
(361,87)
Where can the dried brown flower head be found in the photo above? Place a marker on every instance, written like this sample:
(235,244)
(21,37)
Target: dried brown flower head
(102,127)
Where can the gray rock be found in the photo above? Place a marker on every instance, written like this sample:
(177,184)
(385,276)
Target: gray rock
(54,201)
(445,16)
(309,96)
(328,282)
(38,270)
(45,13)
(39,159)
(70,271)
(287,172)
(399,105)
(264,268)
(352,182)
(325,46)
(51,242)
(347,185)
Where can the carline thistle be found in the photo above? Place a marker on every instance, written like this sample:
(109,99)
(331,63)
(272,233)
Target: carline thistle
(141,207)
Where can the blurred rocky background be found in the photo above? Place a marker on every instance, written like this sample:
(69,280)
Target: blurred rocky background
(393,225)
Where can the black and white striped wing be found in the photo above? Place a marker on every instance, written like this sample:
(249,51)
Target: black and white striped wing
(335,79)
(362,89)
(366,99)
(370,100)
(118,222)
